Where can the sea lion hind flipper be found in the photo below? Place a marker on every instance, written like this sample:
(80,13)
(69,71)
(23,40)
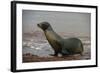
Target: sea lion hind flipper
(65,52)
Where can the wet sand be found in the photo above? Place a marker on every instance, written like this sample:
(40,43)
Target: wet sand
(34,58)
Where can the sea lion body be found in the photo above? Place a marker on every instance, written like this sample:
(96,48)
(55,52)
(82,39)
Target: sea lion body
(60,45)
(72,46)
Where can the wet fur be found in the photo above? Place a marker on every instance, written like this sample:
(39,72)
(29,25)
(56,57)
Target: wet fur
(60,45)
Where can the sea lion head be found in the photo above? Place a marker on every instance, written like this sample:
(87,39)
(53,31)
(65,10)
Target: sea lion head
(43,25)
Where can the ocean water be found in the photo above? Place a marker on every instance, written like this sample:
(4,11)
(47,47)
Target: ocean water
(38,45)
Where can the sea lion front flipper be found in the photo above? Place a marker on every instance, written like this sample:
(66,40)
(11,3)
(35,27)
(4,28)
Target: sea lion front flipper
(58,47)
(55,54)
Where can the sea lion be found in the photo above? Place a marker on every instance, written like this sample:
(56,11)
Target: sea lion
(60,45)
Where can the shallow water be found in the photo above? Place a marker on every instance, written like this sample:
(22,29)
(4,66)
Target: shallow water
(39,46)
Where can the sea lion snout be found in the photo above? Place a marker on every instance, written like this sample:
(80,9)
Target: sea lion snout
(38,25)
